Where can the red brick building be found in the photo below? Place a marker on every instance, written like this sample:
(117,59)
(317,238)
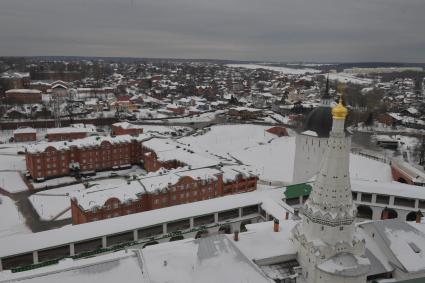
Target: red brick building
(125,128)
(244,113)
(176,109)
(82,156)
(25,135)
(278,131)
(77,131)
(15,80)
(24,96)
(159,190)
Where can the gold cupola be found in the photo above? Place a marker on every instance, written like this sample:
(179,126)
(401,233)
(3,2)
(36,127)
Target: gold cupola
(339,112)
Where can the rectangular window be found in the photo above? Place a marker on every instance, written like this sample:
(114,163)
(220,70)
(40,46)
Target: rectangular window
(366,197)
(404,202)
(382,199)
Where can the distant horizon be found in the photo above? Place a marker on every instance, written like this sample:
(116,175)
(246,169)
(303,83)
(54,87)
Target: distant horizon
(212,59)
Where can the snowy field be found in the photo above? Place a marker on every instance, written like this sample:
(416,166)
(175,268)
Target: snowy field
(12,162)
(223,139)
(53,182)
(362,168)
(50,204)
(273,161)
(55,204)
(272,158)
(283,70)
(349,78)
(12,182)
(12,221)
(204,117)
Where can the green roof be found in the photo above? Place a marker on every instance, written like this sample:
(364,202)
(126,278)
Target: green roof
(297,190)
(417,280)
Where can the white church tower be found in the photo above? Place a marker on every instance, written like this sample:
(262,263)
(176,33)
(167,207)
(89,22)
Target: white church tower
(311,143)
(328,249)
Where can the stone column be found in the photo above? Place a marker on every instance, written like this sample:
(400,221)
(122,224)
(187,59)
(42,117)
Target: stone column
(35,257)
(104,244)
(72,249)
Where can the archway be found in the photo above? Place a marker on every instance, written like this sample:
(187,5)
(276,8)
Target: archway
(201,234)
(176,238)
(389,213)
(224,229)
(411,216)
(402,180)
(364,211)
(150,244)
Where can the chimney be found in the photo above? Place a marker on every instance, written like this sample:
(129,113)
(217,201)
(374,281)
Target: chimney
(419,216)
(236,236)
(287,215)
(276,225)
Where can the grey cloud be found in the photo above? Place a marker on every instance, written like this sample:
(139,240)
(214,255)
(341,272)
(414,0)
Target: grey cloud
(286,30)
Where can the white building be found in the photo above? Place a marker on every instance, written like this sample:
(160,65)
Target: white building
(312,142)
(328,248)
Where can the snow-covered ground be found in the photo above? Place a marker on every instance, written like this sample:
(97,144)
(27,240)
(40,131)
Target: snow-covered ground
(271,157)
(283,70)
(12,162)
(12,182)
(349,78)
(53,182)
(204,117)
(12,222)
(49,204)
(223,139)
(273,161)
(362,168)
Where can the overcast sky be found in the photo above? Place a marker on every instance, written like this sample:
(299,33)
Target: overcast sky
(283,30)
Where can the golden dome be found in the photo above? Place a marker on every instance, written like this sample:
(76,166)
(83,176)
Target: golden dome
(339,112)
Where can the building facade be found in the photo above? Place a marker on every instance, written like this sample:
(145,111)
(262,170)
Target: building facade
(75,131)
(328,248)
(82,156)
(25,135)
(125,128)
(24,96)
(159,190)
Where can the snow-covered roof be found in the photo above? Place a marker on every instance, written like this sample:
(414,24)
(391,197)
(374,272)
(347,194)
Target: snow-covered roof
(211,259)
(388,188)
(26,130)
(124,191)
(74,233)
(403,244)
(92,141)
(108,268)
(23,91)
(167,150)
(74,128)
(127,125)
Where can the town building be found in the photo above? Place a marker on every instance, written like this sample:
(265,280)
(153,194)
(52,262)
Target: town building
(75,131)
(158,190)
(82,156)
(15,80)
(23,96)
(328,249)
(244,113)
(165,153)
(59,89)
(25,134)
(125,128)
(312,142)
